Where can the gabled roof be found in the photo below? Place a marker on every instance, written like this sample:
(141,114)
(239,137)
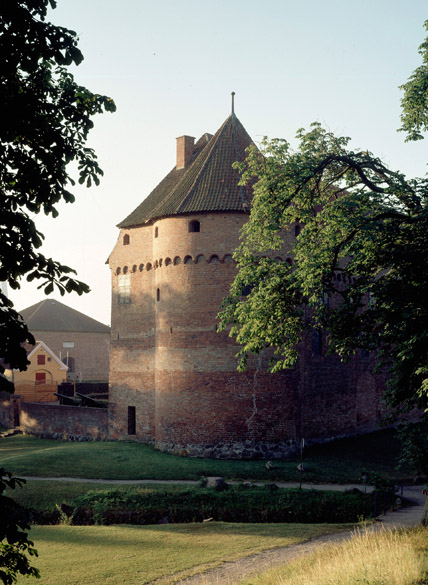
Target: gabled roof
(42,344)
(207,183)
(51,315)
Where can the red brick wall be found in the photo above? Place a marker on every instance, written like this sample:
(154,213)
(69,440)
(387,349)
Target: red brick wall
(64,422)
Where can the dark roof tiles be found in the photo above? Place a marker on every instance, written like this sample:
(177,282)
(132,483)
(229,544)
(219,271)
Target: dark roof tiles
(51,315)
(207,183)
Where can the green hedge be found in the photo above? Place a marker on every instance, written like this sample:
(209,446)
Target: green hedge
(259,504)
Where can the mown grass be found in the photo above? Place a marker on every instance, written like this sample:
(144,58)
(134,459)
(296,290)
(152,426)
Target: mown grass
(45,495)
(336,462)
(108,555)
(382,558)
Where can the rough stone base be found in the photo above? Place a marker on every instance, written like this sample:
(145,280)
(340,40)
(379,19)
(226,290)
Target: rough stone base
(238,450)
(64,436)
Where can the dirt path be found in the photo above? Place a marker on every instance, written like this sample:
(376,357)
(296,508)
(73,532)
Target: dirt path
(231,572)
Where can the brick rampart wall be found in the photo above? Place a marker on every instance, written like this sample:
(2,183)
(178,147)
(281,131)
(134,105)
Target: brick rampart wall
(9,409)
(66,422)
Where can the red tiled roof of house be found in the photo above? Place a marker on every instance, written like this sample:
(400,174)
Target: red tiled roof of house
(207,183)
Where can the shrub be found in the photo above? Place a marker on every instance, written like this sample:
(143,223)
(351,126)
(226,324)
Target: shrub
(255,504)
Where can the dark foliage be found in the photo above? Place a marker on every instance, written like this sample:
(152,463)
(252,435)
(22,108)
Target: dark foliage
(15,547)
(45,121)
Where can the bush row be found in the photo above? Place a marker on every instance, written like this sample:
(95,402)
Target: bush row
(258,504)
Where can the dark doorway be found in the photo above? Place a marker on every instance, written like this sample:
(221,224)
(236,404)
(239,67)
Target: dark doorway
(131,420)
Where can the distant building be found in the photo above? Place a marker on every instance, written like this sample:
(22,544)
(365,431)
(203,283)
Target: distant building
(39,381)
(80,342)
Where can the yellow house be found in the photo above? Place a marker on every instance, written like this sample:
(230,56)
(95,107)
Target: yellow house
(45,371)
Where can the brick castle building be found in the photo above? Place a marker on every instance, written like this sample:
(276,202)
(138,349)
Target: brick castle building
(173,378)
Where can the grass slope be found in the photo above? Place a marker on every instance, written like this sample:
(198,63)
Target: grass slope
(108,555)
(383,558)
(338,461)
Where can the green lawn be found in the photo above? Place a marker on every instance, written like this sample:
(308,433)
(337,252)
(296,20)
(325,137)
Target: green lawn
(45,495)
(108,555)
(339,461)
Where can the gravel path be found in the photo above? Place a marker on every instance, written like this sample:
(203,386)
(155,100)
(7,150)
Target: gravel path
(231,572)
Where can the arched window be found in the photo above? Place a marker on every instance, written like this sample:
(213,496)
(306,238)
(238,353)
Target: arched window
(148,266)
(214,259)
(177,260)
(188,260)
(228,259)
(194,226)
(200,258)
(141,267)
(126,240)
(168,261)
(156,231)
(118,270)
(125,270)
(134,268)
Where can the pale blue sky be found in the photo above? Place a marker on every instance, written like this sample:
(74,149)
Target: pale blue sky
(171,65)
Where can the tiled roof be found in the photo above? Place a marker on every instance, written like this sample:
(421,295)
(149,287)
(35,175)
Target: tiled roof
(207,183)
(51,315)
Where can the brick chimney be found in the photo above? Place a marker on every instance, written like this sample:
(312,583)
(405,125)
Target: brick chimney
(185,147)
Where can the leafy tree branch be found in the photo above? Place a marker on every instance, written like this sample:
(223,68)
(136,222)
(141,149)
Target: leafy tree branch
(46,119)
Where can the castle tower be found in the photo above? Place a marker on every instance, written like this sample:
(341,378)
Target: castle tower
(173,378)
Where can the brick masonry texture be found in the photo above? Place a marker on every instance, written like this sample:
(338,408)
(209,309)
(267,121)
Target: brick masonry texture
(63,422)
(169,363)
(9,410)
(52,420)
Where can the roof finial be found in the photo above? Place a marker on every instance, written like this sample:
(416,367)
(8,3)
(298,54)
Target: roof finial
(233,102)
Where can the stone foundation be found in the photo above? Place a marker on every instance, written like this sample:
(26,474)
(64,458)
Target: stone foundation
(236,450)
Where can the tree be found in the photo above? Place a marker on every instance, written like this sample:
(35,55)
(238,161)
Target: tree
(414,105)
(14,543)
(359,264)
(46,118)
